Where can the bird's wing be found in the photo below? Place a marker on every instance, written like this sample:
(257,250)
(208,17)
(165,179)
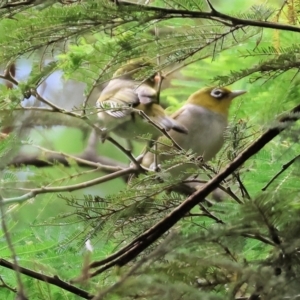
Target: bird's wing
(119,96)
(118,104)
(169,123)
(157,114)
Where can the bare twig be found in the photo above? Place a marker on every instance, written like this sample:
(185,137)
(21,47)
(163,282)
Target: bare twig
(167,13)
(210,6)
(55,280)
(5,285)
(78,159)
(83,160)
(21,292)
(49,103)
(162,130)
(69,188)
(284,167)
(241,185)
(209,214)
(221,187)
(128,153)
(8,76)
(33,108)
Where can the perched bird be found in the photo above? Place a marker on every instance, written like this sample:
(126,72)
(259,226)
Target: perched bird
(124,97)
(205,115)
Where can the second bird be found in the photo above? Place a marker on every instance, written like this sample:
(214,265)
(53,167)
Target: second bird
(123,97)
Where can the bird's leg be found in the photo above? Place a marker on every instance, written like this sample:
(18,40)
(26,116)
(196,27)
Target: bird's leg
(129,145)
(155,158)
(104,135)
(91,147)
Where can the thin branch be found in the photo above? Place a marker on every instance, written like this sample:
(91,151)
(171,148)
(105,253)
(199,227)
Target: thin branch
(3,284)
(210,6)
(168,13)
(221,187)
(69,188)
(31,108)
(209,214)
(20,292)
(284,168)
(8,76)
(127,153)
(78,159)
(230,193)
(242,187)
(139,244)
(227,251)
(49,103)
(84,160)
(162,130)
(114,142)
(55,280)
(259,237)
(215,15)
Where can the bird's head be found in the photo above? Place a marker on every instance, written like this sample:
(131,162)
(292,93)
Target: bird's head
(216,99)
(137,69)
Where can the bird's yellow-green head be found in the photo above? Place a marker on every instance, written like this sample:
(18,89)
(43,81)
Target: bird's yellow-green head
(137,69)
(216,99)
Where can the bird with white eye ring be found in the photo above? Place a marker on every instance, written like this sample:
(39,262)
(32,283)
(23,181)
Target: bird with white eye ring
(205,116)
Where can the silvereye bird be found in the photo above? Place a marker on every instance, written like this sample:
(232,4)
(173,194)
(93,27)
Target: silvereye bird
(124,96)
(205,115)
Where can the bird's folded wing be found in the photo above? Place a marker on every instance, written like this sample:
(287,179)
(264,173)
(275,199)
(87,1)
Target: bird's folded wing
(158,115)
(120,104)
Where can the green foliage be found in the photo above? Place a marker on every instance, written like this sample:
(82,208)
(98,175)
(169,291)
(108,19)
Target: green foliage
(241,241)
(38,75)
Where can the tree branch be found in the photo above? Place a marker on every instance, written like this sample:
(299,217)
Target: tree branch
(84,159)
(166,13)
(4,285)
(284,167)
(55,280)
(68,188)
(16,268)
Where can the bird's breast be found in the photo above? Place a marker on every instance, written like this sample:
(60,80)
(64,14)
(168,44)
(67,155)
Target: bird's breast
(205,131)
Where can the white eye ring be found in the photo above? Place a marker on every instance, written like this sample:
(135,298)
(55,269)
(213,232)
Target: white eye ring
(217,93)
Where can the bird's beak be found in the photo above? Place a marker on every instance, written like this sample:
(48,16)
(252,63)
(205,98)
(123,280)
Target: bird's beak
(237,93)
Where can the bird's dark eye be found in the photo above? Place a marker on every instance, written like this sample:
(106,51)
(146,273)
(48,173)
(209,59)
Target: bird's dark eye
(217,93)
